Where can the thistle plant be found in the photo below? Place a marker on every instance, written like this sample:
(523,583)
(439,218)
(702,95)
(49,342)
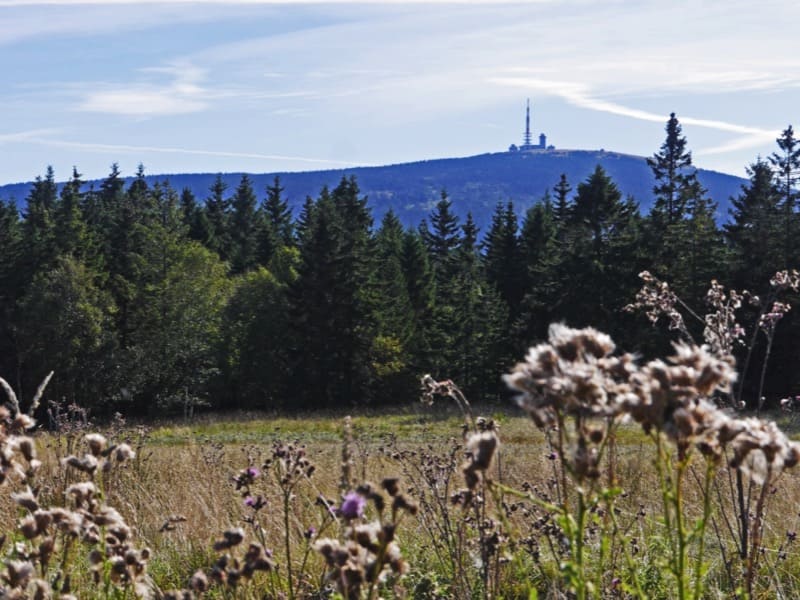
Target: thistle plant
(570,383)
(54,541)
(480,507)
(367,552)
(747,493)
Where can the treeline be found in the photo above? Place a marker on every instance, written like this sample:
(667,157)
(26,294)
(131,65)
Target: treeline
(144,299)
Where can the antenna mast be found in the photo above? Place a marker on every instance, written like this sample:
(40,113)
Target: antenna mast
(527,141)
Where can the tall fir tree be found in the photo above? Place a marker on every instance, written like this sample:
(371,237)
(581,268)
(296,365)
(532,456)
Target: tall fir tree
(542,255)
(71,232)
(442,239)
(504,265)
(243,227)
(681,225)
(477,322)
(391,356)
(601,263)
(786,164)
(217,213)
(421,290)
(754,231)
(38,228)
(332,326)
(561,206)
(279,214)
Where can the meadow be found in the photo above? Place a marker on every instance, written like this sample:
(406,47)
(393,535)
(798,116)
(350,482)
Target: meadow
(256,506)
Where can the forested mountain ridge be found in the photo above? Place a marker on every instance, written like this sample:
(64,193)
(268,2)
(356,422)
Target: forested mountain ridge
(145,298)
(475,183)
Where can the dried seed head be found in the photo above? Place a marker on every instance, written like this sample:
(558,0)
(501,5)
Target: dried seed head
(124,453)
(482,447)
(83,492)
(18,573)
(391,485)
(199,582)
(96,442)
(26,500)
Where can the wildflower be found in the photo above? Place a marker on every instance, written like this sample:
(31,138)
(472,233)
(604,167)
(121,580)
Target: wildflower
(256,503)
(353,506)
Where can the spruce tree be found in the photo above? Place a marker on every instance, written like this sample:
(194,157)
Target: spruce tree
(754,232)
(681,232)
(442,239)
(561,209)
(600,261)
(332,323)
(786,164)
(38,228)
(421,290)
(71,232)
(543,257)
(217,213)
(503,260)
(243,228)
(278,213)
(394,314)
(477,322)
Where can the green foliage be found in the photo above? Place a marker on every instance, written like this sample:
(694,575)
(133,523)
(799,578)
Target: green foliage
(254,330)
(327,309)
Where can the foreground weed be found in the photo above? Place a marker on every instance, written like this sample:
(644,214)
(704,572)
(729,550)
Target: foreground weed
(575,381)
(744,491)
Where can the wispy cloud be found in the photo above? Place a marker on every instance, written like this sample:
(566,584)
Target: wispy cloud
(580,95)
(25,136)
(40,139)
(181,95)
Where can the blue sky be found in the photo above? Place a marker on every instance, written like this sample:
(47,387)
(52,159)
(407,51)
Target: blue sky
(264,86)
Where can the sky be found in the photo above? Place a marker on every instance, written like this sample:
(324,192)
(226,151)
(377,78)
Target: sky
(262,86)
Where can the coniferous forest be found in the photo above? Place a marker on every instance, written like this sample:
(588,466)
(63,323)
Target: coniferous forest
(146,300)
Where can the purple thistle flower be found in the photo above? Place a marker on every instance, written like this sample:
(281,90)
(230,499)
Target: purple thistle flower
(249,501)
(353,505)
(252,472)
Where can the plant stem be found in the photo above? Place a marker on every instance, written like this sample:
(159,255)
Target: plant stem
(698,564)
(287,541)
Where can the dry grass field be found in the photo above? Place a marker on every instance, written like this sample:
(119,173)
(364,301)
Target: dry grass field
(179,494)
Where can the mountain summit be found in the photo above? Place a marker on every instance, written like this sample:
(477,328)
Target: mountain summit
(475,183)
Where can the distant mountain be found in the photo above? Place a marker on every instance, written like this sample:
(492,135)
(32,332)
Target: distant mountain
(475,184)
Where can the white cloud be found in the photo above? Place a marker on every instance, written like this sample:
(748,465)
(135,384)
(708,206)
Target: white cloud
(182,95)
